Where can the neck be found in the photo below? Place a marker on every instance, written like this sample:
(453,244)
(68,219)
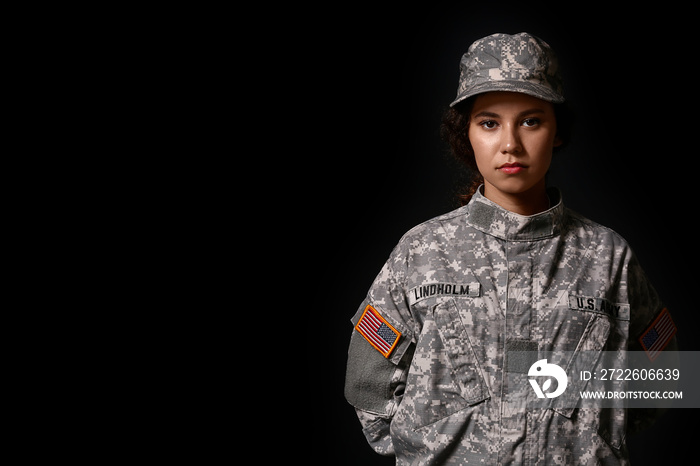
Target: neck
(530,202)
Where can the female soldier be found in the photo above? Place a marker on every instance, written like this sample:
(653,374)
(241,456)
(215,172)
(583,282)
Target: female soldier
(441,349)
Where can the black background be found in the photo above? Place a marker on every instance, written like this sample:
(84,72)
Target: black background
(384,77)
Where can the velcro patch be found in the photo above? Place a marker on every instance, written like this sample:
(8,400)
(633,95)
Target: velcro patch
(377,331)
(443,289)
(599,305)
(658,335)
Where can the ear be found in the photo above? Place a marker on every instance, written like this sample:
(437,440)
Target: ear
(557,141)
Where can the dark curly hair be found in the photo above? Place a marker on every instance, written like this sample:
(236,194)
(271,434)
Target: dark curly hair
(453,130)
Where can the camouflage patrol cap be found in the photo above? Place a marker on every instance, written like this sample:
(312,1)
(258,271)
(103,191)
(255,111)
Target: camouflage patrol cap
(516,63)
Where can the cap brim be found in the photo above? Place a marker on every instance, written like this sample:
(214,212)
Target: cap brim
(533,89)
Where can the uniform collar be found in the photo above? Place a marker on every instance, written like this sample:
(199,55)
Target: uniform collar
(489,217)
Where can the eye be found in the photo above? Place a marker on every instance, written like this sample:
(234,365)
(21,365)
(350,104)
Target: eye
(530,122)
(488,124)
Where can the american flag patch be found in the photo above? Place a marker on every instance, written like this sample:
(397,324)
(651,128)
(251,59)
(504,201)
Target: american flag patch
(377,331)
(658,335)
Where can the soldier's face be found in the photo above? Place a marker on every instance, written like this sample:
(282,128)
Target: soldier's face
(512,136)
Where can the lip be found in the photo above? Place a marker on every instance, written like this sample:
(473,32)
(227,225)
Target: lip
(512,168)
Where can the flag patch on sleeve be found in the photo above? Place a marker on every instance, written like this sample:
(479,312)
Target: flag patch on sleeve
(658,335)
(377,331)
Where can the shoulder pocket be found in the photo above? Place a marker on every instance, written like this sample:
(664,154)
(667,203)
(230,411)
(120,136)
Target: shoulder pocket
(466,371)
(374,357)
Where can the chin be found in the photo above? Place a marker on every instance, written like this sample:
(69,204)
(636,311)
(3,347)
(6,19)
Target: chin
(515,186)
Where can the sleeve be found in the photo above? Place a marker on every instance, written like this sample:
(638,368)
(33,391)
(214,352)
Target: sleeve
(651,326)
(380,352)
(652,331)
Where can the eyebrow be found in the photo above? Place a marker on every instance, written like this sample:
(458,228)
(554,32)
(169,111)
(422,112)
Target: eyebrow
(520,115)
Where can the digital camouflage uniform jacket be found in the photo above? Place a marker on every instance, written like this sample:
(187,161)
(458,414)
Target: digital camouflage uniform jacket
(428,371)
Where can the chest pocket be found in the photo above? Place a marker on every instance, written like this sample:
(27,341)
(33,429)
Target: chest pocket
(604,328)
(445,376)
(465,368)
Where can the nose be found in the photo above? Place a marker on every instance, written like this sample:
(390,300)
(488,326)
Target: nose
(510,140)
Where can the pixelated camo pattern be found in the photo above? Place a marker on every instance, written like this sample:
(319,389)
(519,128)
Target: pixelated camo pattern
(455,399)
(519,63)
